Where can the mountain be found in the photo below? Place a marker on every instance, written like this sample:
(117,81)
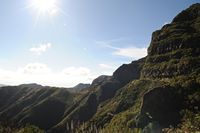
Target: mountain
(1,85)
(33,85)
(99,80)
(79,87)
(158,93)
(166,93)
(102,89)
(42,107)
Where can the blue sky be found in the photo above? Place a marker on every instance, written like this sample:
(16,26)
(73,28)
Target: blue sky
(72,41)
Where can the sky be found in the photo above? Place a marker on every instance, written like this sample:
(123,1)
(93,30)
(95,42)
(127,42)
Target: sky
(66,42)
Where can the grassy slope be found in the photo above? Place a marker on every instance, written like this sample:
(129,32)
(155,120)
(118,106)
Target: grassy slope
(43,107)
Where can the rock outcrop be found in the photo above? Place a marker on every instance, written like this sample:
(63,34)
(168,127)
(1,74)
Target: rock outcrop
(174,50)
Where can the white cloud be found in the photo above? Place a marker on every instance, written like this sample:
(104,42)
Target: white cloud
(109,42)
(42,74)
(81,71)
(131,52)
(35,68)
(5,74)
(106,66)
(41,48)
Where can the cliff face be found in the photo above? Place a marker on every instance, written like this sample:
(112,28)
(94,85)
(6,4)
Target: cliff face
(128,72)
(166,87)
(174,50)
(182,33)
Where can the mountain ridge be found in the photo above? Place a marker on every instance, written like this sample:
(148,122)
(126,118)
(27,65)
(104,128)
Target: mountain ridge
(158,93)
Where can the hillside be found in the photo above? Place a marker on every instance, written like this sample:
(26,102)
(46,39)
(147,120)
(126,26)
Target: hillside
(130,99)
(42,106)
(158,93)
(78,88)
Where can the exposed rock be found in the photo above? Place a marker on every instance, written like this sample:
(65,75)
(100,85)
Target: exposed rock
(174,50)
(163,105)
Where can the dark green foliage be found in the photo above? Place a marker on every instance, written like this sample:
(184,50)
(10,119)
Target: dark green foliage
(43,106)
(46,114)
(26,129)
(30,129)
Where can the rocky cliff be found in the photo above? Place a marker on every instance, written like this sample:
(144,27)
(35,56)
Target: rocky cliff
(159,93)
(174,49)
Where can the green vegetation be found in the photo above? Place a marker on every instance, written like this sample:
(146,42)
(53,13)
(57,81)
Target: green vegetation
(30,129)
(159,93)
(26,129)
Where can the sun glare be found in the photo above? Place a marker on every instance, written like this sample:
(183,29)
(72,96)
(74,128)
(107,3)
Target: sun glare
(45,6)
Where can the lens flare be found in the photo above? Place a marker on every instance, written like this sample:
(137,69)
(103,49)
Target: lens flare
(45,7)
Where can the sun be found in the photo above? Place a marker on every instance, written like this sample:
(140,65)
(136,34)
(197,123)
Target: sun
(45,7)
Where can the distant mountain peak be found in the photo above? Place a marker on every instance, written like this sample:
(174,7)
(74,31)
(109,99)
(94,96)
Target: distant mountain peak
(1,85)
(31,85)
(100,80)
(79,87)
